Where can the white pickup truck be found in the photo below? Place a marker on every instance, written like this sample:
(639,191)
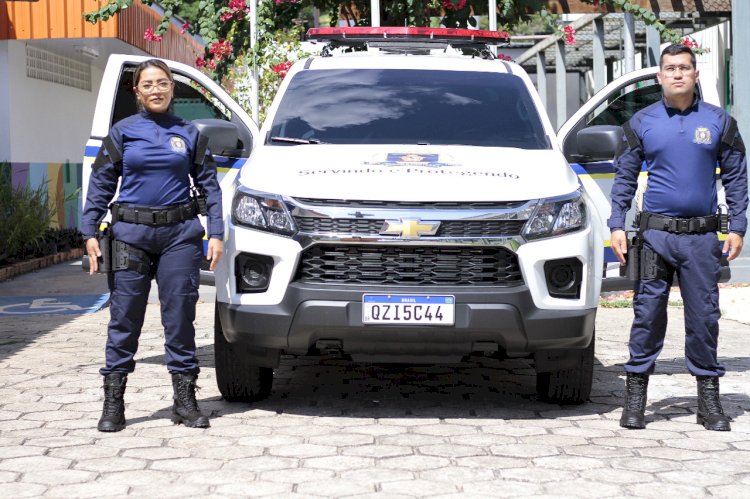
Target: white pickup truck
(405,201)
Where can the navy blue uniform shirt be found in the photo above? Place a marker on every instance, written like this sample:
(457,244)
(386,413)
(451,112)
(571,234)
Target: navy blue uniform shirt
(157,162)
(681,150)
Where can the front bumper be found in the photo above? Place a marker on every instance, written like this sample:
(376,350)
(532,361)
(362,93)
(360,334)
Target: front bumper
(505,317)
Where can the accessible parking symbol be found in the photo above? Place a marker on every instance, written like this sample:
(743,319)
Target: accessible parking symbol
(56,305)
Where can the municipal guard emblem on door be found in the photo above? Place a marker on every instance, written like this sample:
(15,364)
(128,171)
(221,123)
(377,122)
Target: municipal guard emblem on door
(178,145)
(702,135)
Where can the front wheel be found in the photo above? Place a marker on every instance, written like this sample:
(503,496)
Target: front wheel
(569,386)
(238,380)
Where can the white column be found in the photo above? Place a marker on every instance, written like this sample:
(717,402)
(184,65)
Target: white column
(740,83)
(254,68)
(375,13)
(600,66)
(628,42)
(4,102)
(561,84)
(541,78)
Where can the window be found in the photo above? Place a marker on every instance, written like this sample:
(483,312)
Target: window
(628,101)
(190,102)
(403,106)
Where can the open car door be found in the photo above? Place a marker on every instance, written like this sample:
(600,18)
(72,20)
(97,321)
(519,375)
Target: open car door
(232,133)
(587,139)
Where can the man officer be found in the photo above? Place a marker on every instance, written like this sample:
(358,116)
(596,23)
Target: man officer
(681,139)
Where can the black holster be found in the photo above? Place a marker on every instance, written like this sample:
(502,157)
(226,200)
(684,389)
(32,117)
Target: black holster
(632,267)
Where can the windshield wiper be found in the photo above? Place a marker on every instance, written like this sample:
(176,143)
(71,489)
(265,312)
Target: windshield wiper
(294,140)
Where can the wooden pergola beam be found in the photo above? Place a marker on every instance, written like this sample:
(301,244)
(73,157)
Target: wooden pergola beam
(701,7)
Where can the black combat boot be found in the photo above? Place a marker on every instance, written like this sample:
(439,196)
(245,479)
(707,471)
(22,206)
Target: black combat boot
(185,409)
(636,386)
(113,413)
(710,414)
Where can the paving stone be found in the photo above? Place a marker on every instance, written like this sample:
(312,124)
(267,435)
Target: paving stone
(418,488)
(375,429)
(535,475)
(261,463)
(198,441)
(141,477)
(8,476)
(21,451)
(599,451)
(58,477)
(671,454)
(19,489)
(552,439)
(411,439)
(444,430)
(580,488)
(52,442)
(338,463)
(33,463)
(270,440)
(84,452)
(156,453)
(378,451)
(572,463)
(526,451)
(376,475)
(128,442)
(302,451)
(514,431)
(482,440)
(414,463)
(693,478)
(737,490)
(457,474)
(702,445)
(333,488)
(105,464)
(451,450)
(342,439)
(296,475)
(645,464)
(666,490)
(503,488)
(255,489)
(174,490)
(186,465)
(92,490)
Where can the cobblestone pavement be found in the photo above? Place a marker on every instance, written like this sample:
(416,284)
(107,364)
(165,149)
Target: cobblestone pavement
(332,428)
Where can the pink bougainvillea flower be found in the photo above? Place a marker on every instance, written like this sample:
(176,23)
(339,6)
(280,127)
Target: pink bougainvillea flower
(504,57)
(200,62)
(569,32)
(151,36)
(185,27)
(282,68)
(454,4)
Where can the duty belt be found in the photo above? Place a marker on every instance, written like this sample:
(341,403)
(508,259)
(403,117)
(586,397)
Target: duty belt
(695,225)
(153,216)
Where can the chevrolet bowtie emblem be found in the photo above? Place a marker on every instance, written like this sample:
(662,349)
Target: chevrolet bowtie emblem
(409,227)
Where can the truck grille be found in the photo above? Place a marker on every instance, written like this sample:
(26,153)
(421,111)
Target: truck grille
(451,228)
(409,266)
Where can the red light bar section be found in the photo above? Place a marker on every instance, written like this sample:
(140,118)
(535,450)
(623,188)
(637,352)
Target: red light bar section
(364,32)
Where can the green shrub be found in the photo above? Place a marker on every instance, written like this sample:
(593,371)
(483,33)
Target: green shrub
(25,216)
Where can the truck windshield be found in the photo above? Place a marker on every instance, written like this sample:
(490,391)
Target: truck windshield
(404,106)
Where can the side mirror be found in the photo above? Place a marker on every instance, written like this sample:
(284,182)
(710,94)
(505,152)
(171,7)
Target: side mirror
(223,136)
(598,143)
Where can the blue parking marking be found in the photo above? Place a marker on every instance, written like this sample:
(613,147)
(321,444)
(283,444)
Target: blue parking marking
(52,305)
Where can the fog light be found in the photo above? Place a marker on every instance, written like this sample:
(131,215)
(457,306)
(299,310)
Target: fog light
(252,272)
(564,277)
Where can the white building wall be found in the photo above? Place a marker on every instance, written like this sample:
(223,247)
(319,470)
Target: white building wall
(4,104)
(48,122)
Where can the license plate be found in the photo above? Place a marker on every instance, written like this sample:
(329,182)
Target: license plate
(408,309)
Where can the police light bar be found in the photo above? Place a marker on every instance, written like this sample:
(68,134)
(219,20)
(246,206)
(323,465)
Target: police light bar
(361,34)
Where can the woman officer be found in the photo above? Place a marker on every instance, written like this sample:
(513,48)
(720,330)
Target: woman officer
(156,233)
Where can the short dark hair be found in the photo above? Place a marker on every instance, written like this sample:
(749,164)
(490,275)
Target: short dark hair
(151,63)
(677,49)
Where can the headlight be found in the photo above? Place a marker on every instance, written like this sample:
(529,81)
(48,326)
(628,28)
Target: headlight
(555,216)
(261,211)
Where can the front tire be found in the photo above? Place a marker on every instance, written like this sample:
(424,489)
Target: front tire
(569,386)
(237,379)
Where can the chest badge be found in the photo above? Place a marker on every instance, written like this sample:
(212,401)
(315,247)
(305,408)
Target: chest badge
(178,145)
(702,135)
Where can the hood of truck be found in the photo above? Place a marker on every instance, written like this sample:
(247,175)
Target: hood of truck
(408,173)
